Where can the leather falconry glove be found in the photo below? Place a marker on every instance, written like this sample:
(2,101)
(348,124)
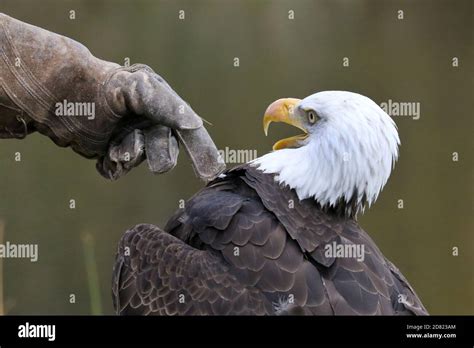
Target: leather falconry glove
(118,115)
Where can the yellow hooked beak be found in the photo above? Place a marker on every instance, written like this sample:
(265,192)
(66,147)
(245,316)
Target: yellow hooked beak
(282,110)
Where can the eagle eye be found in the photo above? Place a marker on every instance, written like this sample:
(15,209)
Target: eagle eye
(312,117)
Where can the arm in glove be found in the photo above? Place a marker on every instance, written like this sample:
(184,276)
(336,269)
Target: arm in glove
(118,115)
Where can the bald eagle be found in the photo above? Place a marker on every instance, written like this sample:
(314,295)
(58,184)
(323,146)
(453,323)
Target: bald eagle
(278,235)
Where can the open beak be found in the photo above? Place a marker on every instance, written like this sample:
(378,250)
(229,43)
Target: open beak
(282,110)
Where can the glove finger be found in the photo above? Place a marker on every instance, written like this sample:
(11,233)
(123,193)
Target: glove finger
(121,158)
(207,162)
(161,149)
(130,152)
(143,92)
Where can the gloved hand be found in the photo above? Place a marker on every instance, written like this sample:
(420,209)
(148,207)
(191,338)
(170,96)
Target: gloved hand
(118,115)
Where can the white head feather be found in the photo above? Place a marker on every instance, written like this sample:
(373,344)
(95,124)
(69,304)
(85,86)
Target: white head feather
(348,156)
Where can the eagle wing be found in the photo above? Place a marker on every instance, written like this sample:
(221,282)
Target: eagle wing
(157,274)
(246,245)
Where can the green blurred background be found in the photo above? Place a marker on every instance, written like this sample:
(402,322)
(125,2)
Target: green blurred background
(402,60)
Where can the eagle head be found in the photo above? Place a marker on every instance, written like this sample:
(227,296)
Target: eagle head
(345,155)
